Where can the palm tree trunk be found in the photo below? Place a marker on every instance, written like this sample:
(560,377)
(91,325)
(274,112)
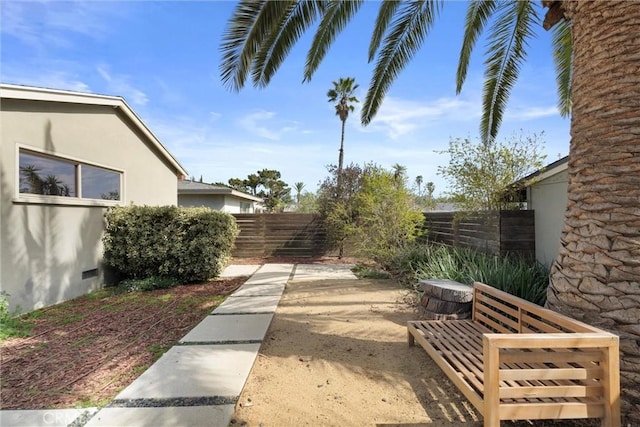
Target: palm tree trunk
(596,276)
(341,152)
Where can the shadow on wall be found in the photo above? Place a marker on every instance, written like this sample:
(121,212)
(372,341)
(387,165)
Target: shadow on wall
(45,248)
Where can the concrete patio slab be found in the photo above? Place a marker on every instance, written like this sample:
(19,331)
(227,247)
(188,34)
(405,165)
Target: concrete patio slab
(253,290)
(244,327)
(218,415)
(236,270)
(45,417)
(271,274)
(195,371)
(306,272)
(248,305)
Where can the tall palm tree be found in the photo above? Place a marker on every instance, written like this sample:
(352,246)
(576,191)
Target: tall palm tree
(343,93)
(595,47)
(419,180)
(298,186)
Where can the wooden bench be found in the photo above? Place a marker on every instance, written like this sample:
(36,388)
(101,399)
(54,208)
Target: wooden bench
(515,360)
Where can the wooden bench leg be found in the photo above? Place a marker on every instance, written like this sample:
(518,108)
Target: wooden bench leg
(410,338)
(612,386)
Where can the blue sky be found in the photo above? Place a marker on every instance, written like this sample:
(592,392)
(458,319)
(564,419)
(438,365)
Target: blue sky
(163,58)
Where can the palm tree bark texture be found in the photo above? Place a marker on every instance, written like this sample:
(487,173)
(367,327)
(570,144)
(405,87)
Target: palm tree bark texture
(596,276)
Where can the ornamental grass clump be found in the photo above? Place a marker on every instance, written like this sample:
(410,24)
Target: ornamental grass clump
(515,275)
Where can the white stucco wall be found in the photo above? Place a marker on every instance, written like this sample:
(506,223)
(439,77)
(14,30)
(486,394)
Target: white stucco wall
(548,197)
(219,202)
(45,247)
(212,201)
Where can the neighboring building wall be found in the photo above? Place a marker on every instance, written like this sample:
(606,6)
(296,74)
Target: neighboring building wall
(46,247)
(212,201)
(548,198)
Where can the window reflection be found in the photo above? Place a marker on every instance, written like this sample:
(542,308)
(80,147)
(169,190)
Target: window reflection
(44,175)
(99,183)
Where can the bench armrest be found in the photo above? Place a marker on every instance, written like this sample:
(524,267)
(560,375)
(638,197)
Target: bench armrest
(554,365)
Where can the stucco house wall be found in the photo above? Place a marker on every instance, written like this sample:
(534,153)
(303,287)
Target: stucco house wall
(217,197)
(51,248)
(547,196)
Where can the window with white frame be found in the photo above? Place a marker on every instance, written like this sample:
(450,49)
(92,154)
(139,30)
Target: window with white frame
(49,175)
(245,207)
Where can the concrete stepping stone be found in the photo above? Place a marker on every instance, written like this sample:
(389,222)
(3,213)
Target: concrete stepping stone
(236,270)
(324,272)
(217,329)
(195,371)
(251,305)
(44,417)
(178,416)
(253,290)
(270,274)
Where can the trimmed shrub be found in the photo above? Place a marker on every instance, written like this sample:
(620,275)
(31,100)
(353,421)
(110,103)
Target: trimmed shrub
(188,244)
(516,276)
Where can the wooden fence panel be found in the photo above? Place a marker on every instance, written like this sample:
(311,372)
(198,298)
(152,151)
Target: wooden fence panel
(284,234)
(495,232)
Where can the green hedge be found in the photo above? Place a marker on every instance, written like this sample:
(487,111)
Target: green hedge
(188,244)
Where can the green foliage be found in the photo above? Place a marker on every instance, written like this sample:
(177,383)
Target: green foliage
(513,275)
(372,207)
(149,283)
(386,218)
(308,203)
(11,325)
(481,174)
(367,272)
(188,244)
(268,185)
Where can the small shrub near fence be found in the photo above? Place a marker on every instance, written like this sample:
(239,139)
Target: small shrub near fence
(517,276)
(187,244)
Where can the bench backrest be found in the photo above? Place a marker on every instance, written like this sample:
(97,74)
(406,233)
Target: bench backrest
(505,313)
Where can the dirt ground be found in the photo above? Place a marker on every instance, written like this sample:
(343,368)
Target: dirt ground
(84,351)
(336,354)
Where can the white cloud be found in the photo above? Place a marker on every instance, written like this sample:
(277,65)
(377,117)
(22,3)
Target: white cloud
(273,130)
(398,117)
(213,115)
(531,113)
(64,80)
(120,86)
(52,23)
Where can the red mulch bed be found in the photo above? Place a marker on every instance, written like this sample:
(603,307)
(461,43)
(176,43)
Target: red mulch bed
(84,351)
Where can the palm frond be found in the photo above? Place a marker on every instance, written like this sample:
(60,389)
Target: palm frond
(478,14)
(275,48)
(408,31)
(507,50)
(387,10)
(335,17)
(252,21)
(563,60)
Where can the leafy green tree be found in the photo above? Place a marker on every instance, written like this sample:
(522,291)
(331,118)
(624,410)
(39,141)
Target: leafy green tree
(238,184)
(308,203)
(275,192)
(336,207)
(595,52)
(386,219)
(480,174)
(343,93)
(419,181)
(252,183)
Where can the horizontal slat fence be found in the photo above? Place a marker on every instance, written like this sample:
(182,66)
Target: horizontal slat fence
(494,232)
(284,234)
(303,235)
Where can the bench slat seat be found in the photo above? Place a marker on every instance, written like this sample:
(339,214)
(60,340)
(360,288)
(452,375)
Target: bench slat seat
(516,360)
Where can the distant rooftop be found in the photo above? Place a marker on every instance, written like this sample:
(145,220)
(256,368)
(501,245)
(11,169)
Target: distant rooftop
(193,187)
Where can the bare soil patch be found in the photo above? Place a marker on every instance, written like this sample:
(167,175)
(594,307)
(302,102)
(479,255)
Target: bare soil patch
(336,354)
(84,351)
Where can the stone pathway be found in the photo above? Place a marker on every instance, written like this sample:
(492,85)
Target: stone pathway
(198,381)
